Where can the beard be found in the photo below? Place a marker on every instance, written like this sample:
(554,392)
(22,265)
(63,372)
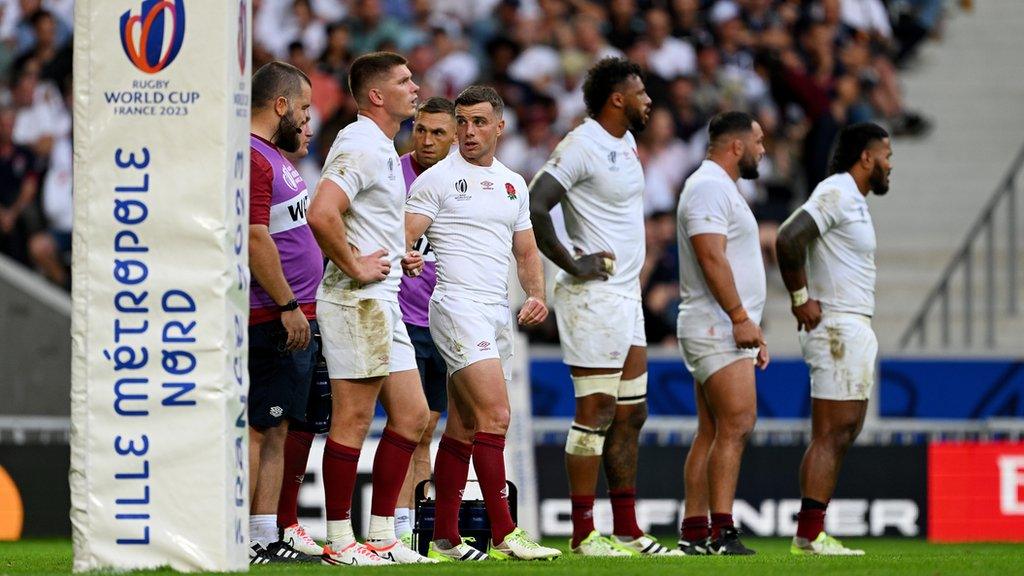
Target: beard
(636,120)
(287,136)
(879,181)
(748,167)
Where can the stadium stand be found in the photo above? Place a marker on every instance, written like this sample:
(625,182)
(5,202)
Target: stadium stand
(804,68)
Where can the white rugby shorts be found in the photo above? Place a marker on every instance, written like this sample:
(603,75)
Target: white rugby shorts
(364,339)
(597,327)
(841,353)
(705,356)
(466,332)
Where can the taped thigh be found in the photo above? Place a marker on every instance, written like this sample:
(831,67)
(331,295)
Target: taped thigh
(633,391)
(596,384)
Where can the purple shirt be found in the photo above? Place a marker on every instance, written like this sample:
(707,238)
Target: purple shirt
(414,293)
(279,200)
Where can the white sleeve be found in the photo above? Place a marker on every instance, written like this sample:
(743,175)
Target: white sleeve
(567,163)
(348,167)
(707,210)
(424,198)
(523,221)
(824,207)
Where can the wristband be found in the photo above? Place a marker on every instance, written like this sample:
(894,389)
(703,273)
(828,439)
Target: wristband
(291,305)
(799,297)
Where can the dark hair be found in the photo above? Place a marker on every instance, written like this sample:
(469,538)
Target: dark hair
(727,123)
(479,94)
(437,105)
(39,16)
(368,68)
(275,79)
(603,78)
(851,143)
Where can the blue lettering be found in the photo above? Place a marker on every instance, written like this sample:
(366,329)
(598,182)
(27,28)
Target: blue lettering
(135,299)
(185,304)
(131,449)
(118,330)
(175,398)
(119,247)
(119,398)
(123,212)
(182,329)
(131,541)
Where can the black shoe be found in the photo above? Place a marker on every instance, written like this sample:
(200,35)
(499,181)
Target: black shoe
(258,555)
(728,544)
(283,552)
(696,548)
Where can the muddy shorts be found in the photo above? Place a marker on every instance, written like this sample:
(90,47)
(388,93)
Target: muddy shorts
(840,353)
(364,339)
(597,327)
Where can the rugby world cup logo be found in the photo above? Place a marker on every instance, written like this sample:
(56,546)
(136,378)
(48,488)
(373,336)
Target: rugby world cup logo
(153,38)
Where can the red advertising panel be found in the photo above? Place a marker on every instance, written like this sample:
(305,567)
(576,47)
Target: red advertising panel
(976,491)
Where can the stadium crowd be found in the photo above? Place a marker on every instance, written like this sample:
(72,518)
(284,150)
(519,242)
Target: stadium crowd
(802,68)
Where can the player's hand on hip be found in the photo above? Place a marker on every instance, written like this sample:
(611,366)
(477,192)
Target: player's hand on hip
(412,263)
(747,334)
(808,315)
(533,312)
(297,327)
(372,268)
(596,266)
(762,356)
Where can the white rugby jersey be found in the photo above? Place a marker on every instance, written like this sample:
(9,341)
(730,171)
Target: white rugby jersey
(475,210)
(604,203)
(712,204)
(841,263)
(364,163)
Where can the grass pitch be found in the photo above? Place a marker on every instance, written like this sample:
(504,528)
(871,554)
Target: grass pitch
(884,556)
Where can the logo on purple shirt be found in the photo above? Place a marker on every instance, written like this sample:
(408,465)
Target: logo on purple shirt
(301,259)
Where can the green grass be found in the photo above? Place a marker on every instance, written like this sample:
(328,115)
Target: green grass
(884,556)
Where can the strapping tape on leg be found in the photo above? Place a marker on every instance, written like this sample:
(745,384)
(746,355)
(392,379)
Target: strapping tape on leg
(596,384)
(633,391)
(584,440)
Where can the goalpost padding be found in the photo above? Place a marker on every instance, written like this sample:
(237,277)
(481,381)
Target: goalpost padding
(159,440)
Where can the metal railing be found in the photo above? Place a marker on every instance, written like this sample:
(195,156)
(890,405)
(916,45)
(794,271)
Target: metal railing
(1004,202)
(658,431)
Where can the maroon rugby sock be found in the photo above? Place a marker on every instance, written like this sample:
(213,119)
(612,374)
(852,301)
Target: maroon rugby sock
(390,464)
(582,517)
(489,463)
(340,466)
(296,453)
(451,469)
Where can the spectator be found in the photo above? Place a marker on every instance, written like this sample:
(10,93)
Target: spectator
(372,29)
(455,67)
(659,278)
(41,113)
(51,249)
(336,57)
(527,151)
(669,57)
(19,184)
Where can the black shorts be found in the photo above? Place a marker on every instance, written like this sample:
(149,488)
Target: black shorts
(278,380)
(433,371)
